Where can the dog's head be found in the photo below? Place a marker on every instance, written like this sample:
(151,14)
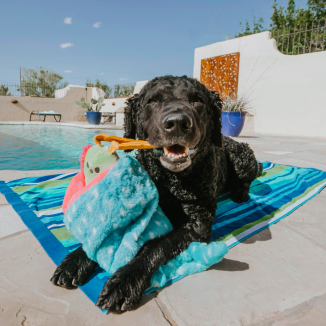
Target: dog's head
(178,115)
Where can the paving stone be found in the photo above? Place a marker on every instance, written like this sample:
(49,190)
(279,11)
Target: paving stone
(299,163)
(317,151)
(3,200)
(319,143)
(283,272)
(27,297)
(310,219)
(10,221)
(278,153)
(306,156)
(261,149)
(291,139)
(261,156)
(309,313)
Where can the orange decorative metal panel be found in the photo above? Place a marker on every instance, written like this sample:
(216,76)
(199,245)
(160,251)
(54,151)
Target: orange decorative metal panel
(221,73)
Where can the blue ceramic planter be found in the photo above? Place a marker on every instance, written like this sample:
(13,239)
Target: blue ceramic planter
(232,123)
(94,118)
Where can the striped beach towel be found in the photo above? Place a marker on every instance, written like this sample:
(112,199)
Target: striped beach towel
(275,194)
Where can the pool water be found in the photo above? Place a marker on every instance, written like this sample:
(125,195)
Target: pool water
(24,147)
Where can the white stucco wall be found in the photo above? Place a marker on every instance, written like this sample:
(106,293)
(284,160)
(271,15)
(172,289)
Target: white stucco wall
(60,93)
(139,85)
(120,119)
(119,102)
(288,92)
(97,93)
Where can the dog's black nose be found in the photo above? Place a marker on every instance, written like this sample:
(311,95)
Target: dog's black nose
(177,122)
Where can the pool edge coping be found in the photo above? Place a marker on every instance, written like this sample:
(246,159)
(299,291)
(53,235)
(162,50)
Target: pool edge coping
(65,124)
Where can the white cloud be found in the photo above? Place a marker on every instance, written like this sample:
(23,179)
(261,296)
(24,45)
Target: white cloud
(66,45)
(67,71)
(122,79)
(101,73)
(97,25)
(67,20)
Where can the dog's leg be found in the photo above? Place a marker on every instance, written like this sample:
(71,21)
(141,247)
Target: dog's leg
(240,194)
(243,168)
(74,270)
(124,290)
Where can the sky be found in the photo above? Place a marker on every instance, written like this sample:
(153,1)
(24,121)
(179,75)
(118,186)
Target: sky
(116,41)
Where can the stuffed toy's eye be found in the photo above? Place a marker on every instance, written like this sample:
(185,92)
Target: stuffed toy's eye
(91,171)
(87,165)
(97,170)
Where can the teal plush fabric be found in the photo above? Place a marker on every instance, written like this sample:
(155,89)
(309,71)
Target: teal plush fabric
(197,258)
(119,214)
(116,216)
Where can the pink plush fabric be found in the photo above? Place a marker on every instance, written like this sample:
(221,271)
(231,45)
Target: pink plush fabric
(77,187)
(77,183)
(82,156)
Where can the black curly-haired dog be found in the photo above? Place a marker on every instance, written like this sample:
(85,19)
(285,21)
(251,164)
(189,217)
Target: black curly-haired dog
(192,166)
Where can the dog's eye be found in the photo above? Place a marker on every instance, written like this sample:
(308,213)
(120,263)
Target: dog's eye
(152,102)
(198,102)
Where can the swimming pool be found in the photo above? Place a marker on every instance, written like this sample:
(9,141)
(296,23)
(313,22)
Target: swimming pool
(33,147)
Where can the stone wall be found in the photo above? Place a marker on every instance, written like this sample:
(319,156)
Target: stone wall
(288,91)
(69,110)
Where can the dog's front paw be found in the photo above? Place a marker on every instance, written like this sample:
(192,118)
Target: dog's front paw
(124,289)
(240,195)
(74,270)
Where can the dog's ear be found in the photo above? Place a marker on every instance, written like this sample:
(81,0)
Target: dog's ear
(130,117)
(216,108)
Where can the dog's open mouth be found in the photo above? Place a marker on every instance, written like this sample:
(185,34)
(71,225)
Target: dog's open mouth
(176,152)
(176,157)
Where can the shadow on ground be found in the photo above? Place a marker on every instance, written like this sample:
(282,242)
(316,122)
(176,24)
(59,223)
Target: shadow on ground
(264,235)
(229,265)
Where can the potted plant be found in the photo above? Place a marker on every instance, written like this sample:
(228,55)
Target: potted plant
(93,116)
(234,112)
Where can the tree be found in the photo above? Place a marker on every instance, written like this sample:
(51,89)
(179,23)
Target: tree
(277,18)
(290,13)
(4,90)
(318,7)
(245,32)
(295,20)
(40,82)
(257,27)
(291,17)
(107,89)
(290,22)
(123,90)
(118,91)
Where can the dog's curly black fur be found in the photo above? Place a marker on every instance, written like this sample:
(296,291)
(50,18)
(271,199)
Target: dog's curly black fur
(173,112)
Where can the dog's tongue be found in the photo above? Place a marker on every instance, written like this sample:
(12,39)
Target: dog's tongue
(176,149)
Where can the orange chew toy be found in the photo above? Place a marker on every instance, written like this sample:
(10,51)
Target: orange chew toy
(120,143)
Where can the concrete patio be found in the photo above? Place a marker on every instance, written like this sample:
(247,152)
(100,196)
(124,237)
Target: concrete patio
(276,277)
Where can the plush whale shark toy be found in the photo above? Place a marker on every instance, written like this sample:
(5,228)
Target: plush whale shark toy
(111,207)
